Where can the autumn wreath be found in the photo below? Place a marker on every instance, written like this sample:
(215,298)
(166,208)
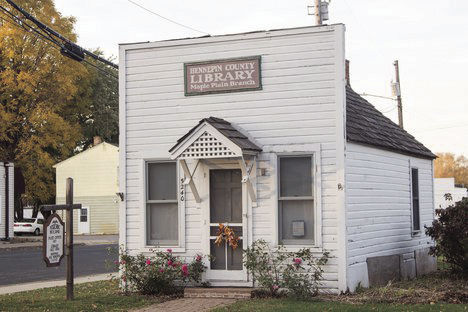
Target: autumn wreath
(225,233)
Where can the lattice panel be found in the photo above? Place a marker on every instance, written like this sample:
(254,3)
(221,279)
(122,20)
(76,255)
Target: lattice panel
(207,146)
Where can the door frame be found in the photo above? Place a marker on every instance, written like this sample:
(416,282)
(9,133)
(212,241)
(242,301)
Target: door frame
(224,275)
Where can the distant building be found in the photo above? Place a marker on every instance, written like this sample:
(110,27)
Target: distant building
(444,186)
(95,184)
(7,182)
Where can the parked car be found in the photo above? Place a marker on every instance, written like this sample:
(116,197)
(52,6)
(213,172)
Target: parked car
(29,225)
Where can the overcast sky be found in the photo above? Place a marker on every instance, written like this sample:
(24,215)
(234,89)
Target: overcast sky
(428,37)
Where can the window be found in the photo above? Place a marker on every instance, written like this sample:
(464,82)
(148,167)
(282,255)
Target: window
(40,221)
(415,199)
(162,224)
(296,200)
(84,215)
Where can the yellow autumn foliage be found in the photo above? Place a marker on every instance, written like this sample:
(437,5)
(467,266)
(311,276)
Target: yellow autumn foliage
(38,90)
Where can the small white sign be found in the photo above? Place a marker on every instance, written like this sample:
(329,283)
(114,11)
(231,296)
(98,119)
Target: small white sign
(54,237)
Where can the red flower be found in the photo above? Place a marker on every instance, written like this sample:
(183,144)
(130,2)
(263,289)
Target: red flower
(148,261)
(161,270)
(199,258)
(169,262)
(169,250)
(297,261)
(185,269)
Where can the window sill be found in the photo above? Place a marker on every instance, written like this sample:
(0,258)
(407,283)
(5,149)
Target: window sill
(416,233)
(296,248)
(175,249)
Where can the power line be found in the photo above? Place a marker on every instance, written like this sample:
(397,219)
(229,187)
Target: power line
(167,19)
(69,45)
(20,24)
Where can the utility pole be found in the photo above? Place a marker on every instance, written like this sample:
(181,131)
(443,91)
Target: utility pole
(318,13)
(397,90)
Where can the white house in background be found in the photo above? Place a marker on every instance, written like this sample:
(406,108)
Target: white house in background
(296,158)
(95,186)
(443,186)
(7,204)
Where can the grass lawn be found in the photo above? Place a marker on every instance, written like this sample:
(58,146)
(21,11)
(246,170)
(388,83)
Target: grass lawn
(287,305)
(94,296)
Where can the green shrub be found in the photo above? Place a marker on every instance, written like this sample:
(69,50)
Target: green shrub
(450,232)
(161,274)
(297,274)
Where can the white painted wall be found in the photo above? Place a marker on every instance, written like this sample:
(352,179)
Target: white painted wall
(378,206)
(443,186)
(94,172)
(11,199)
(302,102)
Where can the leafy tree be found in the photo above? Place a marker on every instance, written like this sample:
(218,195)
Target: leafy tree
(99,115)
(38,90)
(447,165)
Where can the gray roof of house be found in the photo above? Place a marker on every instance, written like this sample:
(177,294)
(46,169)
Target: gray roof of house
(366,125)
(228,131)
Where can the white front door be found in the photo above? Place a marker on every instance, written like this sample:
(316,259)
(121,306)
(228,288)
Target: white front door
(226,206)
(83,220)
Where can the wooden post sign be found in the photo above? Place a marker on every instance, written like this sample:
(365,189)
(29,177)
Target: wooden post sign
(53,241)
(54,235)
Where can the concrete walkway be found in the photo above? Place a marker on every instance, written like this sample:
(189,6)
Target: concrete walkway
(46,284)
(188,305)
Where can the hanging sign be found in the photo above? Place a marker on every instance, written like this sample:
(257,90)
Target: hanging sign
(229,75)
(53,240)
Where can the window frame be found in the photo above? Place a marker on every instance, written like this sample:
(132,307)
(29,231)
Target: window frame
(414,232)
(180,193)
(313,150)
(282,199)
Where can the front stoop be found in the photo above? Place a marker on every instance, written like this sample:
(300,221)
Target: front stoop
(218,292)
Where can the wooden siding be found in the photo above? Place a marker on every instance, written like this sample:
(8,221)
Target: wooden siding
(298,105)
(378,203)
(103,213)
(94,172)
(3,200)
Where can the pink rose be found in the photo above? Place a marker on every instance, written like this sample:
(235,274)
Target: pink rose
(169,250)
(122,262)
(198,258)
(185,269)
(148,261)
(297,261)
(161,270)
(169,262)
(116,262)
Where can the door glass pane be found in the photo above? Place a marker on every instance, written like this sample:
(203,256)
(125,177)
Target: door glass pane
(84,215)
(225,196)
(295,176)
(162,181)
(162,224)
(218,256)
(297,220)
(234,257)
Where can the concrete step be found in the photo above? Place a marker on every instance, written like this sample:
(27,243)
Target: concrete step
(218,292)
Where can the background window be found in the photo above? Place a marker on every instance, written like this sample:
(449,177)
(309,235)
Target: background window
(296,201)
(162,217)
(415,199)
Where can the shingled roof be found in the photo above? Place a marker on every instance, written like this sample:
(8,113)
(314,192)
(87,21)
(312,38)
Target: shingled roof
(366,125)
(228,131)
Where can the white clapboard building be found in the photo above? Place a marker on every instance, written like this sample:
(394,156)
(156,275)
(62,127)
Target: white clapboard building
(7,201)
(260,131)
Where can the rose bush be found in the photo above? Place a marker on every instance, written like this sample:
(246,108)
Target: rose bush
(297,274)
(161,274)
